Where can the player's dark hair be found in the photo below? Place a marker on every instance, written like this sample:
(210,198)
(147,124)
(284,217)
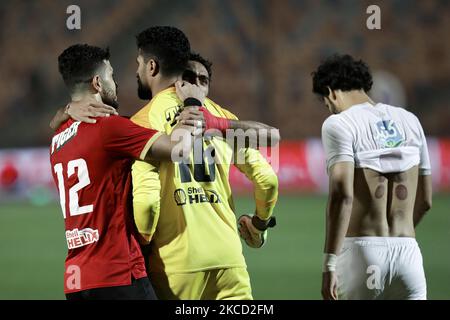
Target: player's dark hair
(80,62)
(341,72)
(168,46)
(206,63)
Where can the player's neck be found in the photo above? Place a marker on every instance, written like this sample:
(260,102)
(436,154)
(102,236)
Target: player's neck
(163,84)
(354,98)
(78,96)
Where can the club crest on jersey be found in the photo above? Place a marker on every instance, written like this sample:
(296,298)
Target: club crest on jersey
(195,195)
(79,238)
(387,134)
(61,138)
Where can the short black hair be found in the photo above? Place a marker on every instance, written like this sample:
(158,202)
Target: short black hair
(206,63)
(341,72)
(80,62)
(169,46)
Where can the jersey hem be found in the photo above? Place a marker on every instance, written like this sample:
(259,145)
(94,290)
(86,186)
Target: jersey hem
(202,269)
(104,285)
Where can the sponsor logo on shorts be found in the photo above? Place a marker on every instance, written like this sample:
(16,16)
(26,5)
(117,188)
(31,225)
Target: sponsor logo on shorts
(79,238)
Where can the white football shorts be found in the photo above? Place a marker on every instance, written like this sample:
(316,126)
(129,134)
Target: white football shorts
(381,268)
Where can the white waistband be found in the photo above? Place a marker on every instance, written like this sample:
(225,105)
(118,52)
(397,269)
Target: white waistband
(379,241)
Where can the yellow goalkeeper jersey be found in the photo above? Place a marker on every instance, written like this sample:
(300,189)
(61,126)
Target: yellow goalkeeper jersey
(188,209)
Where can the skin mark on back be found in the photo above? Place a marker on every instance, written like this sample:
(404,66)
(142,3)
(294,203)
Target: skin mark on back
(381,189)
(379,192)
(401,192)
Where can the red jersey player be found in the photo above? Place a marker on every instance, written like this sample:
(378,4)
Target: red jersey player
(91,168)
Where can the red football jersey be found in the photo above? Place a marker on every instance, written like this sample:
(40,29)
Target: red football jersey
(91,166)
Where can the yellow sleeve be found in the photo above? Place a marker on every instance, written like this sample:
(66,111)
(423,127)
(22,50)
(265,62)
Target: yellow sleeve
(145,179)
(146,197)
(259,171)
(265,181)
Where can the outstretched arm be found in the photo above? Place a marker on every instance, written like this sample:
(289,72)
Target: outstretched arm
(83,111)
(247,134)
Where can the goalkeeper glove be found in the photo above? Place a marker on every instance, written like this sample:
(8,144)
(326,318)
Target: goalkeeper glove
(254,230)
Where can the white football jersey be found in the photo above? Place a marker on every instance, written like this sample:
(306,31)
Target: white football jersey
(381,137)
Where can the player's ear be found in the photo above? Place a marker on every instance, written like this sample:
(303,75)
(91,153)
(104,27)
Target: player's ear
(97,83)
(331,94)
(152,67)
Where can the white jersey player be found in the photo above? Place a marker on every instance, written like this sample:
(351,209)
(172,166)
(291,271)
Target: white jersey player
(380,187)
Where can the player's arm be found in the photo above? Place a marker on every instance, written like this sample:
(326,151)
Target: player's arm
(121,137)
(423,198)
(250,134)
(338,144)
(253,228)
(339,208)
(424,193)
(84,111)
(146,199)
(59,118)
(178,145)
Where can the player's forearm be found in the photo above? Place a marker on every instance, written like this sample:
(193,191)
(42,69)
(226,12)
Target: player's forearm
(146,217)
(60,117)
(419,213)
(174,147)
(338,218)
(264,135)
(266,195)
(264,180)
(244,134)
(423,200)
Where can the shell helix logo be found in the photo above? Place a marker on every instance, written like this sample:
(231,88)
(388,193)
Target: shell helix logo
(180,197)
(195,195)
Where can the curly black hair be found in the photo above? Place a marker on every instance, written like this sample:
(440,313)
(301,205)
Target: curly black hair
(206,63)
(168,46)
(341,72)
(80,62)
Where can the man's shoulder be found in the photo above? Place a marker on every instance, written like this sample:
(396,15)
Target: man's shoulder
(337,125)
(157,107)
(332,121)
(402,112)
(163,100)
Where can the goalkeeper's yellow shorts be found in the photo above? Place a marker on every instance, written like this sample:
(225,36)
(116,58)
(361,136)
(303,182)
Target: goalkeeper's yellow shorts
(217,284)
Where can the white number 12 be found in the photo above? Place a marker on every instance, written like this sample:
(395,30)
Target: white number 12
(83,181)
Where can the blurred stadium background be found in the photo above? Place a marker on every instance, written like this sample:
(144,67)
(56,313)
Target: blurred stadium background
(263,52)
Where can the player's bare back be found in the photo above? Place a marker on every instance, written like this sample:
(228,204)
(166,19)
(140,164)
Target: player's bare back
(383,203)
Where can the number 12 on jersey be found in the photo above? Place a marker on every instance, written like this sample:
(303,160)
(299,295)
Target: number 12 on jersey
(83,181)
